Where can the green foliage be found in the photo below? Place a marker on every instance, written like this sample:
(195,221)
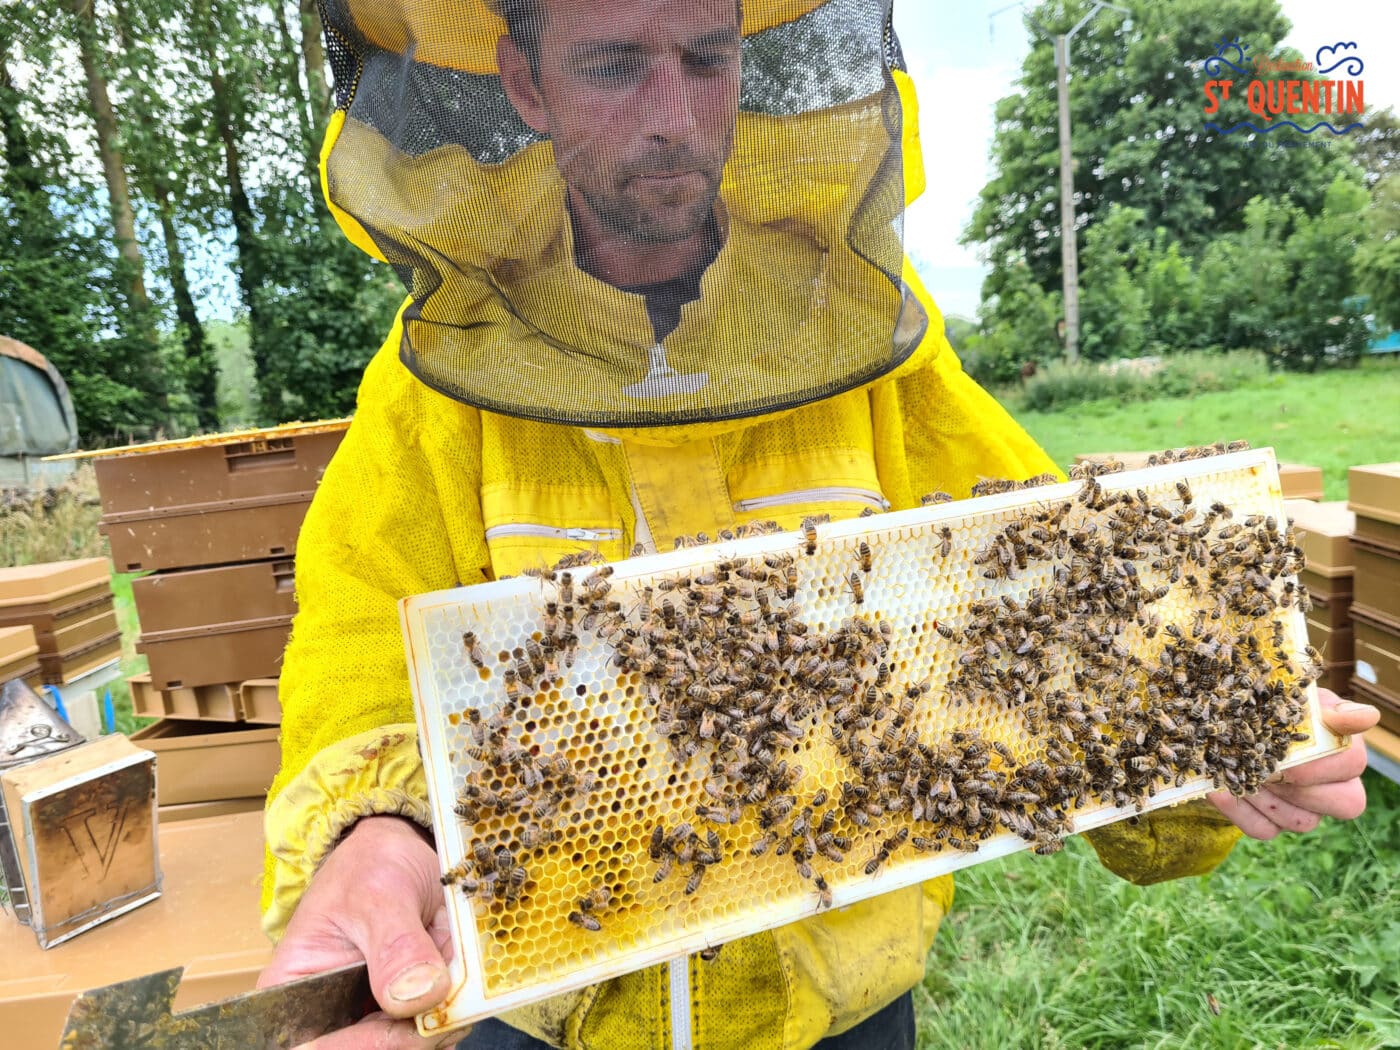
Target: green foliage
(1378,258)
(1332,419)
(1018,328)
(1137,131)
(1114,317)
(322,313)
(1059,384)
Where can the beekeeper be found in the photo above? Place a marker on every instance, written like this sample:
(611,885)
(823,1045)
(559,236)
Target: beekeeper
(657,288)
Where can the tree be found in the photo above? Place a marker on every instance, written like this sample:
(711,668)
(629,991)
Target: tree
(88,35)
(1138,134)
(1378,258)
(1376,147)
(62,286)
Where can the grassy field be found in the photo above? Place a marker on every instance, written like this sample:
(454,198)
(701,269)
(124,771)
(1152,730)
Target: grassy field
(1331,420)
(1296,942)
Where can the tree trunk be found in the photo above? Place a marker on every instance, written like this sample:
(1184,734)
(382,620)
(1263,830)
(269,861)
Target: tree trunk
(119,195)
(241,209)
(291,66)
(313,57)
(202,368)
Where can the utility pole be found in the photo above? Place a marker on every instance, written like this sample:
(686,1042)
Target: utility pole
(1069,237)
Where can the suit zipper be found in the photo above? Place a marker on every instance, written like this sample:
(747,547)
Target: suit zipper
(549,532)
(829,494)
(680,1004)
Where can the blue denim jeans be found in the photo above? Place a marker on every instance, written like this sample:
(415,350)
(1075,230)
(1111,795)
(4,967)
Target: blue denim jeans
(890,1029)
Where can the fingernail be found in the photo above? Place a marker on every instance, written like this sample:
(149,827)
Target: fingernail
(414,983)
(1347,706)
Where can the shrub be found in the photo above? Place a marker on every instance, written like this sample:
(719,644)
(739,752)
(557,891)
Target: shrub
(1181,375)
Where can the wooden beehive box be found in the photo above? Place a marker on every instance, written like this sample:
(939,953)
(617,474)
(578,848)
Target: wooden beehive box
(83,823)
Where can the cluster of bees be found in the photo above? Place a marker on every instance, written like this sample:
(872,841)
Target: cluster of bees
(1119,702)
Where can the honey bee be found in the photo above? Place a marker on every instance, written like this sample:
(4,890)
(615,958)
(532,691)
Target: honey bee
(809,535)
(474,652)
(711,954)
(823,892)
(595,899)
(864,556)
(697,875)
(945,541)
(586,922)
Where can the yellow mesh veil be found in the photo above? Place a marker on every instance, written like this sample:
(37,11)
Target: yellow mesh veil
(432,164)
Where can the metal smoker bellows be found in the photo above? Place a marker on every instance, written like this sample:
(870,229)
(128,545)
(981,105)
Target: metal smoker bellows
(632,763)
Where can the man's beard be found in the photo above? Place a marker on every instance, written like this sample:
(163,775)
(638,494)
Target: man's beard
(649,224)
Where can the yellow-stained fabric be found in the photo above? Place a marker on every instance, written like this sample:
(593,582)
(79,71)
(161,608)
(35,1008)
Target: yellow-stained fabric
(462,34)
(806,309)
(1173,843)
(403,509)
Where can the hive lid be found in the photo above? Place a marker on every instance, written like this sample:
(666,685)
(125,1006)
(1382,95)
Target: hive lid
(1374,491)
(1324,533)
(325,426)
(50,581)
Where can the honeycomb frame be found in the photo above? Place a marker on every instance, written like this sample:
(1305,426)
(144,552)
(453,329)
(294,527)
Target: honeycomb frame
(624,778)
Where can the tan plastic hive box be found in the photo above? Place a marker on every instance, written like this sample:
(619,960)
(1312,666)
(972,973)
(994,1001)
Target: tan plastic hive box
(1324,532)
(260,701)
(210,761)
(1376,585)
(83,822)
(1335,645)
(622,798)
(182,811)
(1300,481)
(1383,700)
(206,920)
(64,667)
(51,584)
(1327,588)
(1373,491)
(212,500)
(219,625)
(1383,741)
(1377,651)
(211,703)
(18,645)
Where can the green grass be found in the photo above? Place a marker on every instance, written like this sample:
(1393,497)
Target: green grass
(1333,420)
(1297,940)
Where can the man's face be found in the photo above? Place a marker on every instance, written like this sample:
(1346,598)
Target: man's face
(639,98)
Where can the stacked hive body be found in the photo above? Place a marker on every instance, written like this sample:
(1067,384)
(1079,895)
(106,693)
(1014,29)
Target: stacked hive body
(214,520)
(1324,533)
(1374,496)
(19,655)
(68,604)
(631,763)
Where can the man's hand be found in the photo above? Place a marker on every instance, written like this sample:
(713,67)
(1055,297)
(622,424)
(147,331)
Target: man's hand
(377,897)
(1298,798)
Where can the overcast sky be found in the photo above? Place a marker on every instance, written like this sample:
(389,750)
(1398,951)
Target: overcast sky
(957,51)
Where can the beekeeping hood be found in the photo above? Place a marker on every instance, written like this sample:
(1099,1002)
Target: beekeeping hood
(429,166)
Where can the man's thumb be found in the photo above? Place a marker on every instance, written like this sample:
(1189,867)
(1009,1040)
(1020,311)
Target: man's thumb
(406,970)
